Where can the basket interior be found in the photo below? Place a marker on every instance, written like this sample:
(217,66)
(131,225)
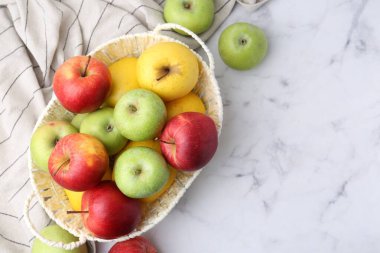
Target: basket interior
(52,196)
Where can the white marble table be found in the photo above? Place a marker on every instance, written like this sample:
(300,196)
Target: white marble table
(298,166)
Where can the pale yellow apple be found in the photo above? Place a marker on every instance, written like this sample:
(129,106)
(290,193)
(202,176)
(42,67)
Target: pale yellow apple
(189,103)
(75,198)
(169,69)
(124,79)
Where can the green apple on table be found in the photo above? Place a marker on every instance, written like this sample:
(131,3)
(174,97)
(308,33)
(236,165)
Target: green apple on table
(196,15)
(44,140)
(140,172)
(140,115)
(58,234)
(100,124)
(242,46)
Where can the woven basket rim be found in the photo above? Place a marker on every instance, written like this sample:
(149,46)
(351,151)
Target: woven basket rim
(171,205)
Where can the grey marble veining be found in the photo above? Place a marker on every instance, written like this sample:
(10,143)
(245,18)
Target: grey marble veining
(298,166)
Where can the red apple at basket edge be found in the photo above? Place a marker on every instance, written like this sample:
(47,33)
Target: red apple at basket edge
(137,244)
(108,213)
(78,162)
(82,84)
(189,141)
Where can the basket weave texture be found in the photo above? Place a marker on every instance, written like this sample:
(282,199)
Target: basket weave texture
(52,196)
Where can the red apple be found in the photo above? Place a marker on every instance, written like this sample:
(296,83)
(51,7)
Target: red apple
(189,141)
(78,162)
(108,213)
(82,84)
(138,244)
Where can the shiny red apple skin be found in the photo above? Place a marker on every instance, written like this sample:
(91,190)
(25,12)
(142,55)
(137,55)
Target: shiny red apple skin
(137,244)
(78,162)
(78,93)
(189,141)
(111,214)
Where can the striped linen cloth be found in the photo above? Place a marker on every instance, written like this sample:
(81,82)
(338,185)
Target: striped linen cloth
(36,36)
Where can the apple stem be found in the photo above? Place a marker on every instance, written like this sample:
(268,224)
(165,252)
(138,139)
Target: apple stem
(61,166)
(158,139)
(165,71)
(243,41)
(85,68)
(109,128)
(132,108)
(74,212)
(187,5)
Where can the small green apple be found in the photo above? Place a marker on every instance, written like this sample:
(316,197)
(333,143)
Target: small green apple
(77,120)
(58,234)
(100,124)
(44,139)
(140,172)
(242,46)
(196,15)
(140,115)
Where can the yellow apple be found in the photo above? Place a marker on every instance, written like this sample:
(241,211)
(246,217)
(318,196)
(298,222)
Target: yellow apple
(150,144)
(108,174)
(75,198)
(123,74)
(189,103)
(169,69)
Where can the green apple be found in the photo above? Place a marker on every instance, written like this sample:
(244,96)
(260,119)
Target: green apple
(140,172)
(242,46)
(140,115)
(44,139)
(100,124)
(196,15)
(58,234)
(77,120)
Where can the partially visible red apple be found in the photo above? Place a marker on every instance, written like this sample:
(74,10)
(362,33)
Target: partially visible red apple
(82,84)
(78,162)
(108,213)
(189,141)
(138,244)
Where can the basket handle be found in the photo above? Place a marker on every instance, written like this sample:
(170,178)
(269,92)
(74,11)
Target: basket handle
(66,246)
(169,26)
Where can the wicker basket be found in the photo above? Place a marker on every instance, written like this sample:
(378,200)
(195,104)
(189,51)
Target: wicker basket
(52,197)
